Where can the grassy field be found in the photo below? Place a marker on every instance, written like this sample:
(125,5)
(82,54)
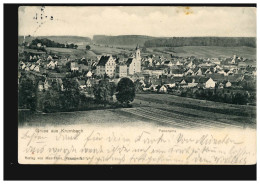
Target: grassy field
(78,53)
(99,50)
(207,51)
(157,110)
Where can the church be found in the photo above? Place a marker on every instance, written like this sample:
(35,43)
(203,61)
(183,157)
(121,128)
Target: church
(134,63)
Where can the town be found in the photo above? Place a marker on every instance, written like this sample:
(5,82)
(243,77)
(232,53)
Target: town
(229,80)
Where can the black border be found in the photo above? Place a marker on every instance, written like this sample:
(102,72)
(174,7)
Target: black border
(14,171)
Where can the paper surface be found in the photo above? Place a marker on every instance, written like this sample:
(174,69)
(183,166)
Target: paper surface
(89,145)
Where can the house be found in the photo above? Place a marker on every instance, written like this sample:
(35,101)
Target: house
(189,72)
(89,74)
(49,58)
(178,63)
(82,84)
(121,70)
(51,65)
(40,86)
(59,83)
(37,68)
(190,65)
(47,84)
(74,66)
(221,85)
(233,60)
(136,76)
(90,82)
(133,66)
(169,82)
(39,44)
(163,89)
(155,83)
(177,72)
(228,84)
(217,77)
(207,82)
(83,67)
(198,72)
(168,63)
(106,65)
(192,81)
(23,66)
(32,66)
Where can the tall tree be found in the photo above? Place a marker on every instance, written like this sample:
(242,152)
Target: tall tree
(88,47)
(71,94)
(27,93)
(125,91)
(102,91)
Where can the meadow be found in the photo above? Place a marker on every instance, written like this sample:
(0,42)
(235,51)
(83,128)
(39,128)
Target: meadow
(206,51)
(157,110)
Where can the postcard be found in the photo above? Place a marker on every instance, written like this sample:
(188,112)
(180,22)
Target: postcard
(137,85)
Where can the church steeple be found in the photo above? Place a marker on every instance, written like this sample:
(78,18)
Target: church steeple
(137,53)
(137,47)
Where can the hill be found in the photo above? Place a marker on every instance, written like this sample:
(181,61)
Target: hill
(122,40)
(60,39)
(204,51)
(202,41)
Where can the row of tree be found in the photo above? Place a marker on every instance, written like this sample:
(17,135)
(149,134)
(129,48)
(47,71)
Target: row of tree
(70,98)
(225,96)
(50,43)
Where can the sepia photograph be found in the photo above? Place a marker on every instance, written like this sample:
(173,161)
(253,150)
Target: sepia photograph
(138,85)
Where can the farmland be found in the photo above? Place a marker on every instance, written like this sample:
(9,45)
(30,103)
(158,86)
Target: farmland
(157,110)
(78,53)
(206,51)
(186,51)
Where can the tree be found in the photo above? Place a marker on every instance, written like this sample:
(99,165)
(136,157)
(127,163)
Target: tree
(102,91)
(138,86)
(71,94)
(88,47)
(27,93)
(125,91)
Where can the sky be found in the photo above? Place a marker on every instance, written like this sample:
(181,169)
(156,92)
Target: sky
(159,21)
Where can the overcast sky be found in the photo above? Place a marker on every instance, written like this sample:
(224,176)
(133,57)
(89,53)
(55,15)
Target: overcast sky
(151,21)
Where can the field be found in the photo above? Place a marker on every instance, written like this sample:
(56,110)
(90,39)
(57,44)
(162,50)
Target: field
(187,51)
(78,53)
(206,51)
(157,110)
(99,49)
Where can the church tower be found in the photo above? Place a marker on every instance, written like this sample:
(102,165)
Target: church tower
(138,53)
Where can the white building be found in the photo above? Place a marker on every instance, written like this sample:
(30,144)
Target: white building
(106,65)
(134,63)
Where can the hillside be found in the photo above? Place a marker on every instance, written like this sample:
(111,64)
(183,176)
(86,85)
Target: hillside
(204,51)
(122,40)
(202,41)
(60,39)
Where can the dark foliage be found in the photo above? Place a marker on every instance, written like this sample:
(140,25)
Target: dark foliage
(125,91)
